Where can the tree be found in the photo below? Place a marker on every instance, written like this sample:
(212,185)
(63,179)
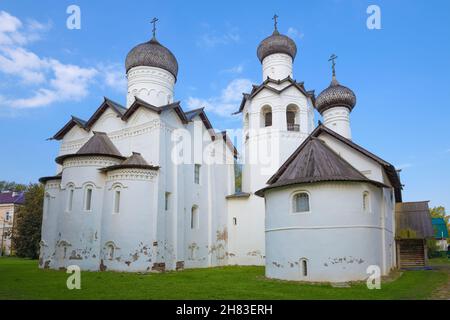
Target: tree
(27,231)
(439,212)
(11,186)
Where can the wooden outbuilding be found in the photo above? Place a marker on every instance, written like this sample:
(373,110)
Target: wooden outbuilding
(413,228)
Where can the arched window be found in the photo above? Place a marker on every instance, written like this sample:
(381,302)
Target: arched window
(110,251)
(117,193)
(194,218)
(301,202)
(304,267)
(366,201)
(266,116)
(70,198)
(88,198)
(292,118)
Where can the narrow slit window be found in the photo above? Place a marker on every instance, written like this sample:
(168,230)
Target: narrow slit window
(88,199)
(166,201)
(70,200)
(304,268)
(235,221)
(117,201)
(194,217)
(268,119)
(197,174)
(366,201)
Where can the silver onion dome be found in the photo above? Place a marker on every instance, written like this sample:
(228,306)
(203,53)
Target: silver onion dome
(276,43)
(152,54)
(336,95)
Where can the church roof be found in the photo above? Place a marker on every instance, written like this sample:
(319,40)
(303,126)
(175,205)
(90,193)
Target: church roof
(388,168)
(265,85)
(134,161)
(336,95)
(152,54)
(125,114)
(413,220)
(276,43)
(48,178)
(313,162)
(99,144)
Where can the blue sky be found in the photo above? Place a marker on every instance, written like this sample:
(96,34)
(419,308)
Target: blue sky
(400,74)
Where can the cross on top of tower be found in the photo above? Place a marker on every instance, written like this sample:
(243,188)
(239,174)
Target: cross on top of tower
(333,58)
(154,20)
(275,22)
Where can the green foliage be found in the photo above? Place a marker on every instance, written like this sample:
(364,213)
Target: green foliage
(22,279)
(439,212)
(407,234)
(11,186)
(432,248)
(27,233)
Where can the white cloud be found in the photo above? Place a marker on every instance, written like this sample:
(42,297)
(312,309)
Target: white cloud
(234,70)
(114,76)
(211,38)
(227,102)
(294,33)
(404,166)
(49,80)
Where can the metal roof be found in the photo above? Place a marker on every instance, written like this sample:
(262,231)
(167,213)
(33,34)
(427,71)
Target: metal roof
(314,162)
(152,54)
(413,220)
(98,144)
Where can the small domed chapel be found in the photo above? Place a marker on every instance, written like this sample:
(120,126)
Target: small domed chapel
(321,209)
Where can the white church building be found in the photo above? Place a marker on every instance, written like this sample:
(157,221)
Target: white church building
(151,187)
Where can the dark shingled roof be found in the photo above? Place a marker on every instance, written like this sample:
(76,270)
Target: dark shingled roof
(99,145)
(313,162)
(43,180)
(413,220)
(152,54)
(336,95)
(265,85)
(134,161)
(10,197)
(125,114)
(276,43)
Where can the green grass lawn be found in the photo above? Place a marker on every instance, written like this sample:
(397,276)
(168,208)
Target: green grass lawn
(21,279)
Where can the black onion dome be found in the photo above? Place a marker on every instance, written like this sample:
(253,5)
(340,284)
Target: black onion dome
(152,54)
(276,43)
(336,95)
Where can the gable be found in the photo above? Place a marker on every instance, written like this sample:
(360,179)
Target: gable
(362,163)
(108,121)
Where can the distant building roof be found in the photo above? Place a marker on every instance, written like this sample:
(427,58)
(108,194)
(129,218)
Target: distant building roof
(313,162)
(440,228)
(10,197)
(413,220)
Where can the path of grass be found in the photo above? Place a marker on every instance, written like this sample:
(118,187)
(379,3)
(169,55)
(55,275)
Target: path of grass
(21,279)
